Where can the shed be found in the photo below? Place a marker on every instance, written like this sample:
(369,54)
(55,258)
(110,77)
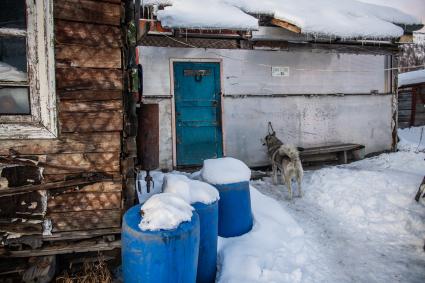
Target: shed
(323,72)
(411,99)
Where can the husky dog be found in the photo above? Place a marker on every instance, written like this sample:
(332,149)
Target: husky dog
(286,159)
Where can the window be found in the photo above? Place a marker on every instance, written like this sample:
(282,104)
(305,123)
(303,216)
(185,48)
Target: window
(27,89)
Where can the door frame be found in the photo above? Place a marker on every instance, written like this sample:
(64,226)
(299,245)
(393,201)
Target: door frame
(173,103)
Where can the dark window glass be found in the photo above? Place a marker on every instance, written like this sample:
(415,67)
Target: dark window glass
(12,14)
(13,58)
(14,100)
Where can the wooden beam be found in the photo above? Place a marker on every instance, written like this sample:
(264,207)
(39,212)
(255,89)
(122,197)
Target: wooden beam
(84,201)
(67,143)
(83,246)
(76,122)
(71,79)
(82,162)
(81,56)
(50,186)
(407,38)
(95,35)
(90,106)
(90,95)
(84,220)
(285,25)
(88,11)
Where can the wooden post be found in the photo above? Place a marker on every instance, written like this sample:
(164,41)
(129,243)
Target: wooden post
(413,113)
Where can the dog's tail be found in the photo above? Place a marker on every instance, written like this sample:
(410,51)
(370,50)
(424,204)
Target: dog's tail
(290,151)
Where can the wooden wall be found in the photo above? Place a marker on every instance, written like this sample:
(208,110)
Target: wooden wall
(89,85)
(411,106)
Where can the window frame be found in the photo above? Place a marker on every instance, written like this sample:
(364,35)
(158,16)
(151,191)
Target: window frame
(42,122)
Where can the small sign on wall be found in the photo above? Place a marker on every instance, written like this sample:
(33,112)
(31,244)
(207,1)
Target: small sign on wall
(279,71)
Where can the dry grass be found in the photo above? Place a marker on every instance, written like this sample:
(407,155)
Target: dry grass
(92,272)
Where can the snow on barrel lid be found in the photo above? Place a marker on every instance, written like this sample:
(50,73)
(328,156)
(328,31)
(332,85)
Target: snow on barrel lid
(225,171)
(164,211)
(192,191)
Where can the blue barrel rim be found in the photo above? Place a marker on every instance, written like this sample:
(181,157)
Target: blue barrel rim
(134,225)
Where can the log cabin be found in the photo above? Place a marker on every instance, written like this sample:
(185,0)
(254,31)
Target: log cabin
(67,127)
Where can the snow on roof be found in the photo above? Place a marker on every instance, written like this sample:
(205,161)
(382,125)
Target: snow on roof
(339,18)
(198,14)
(155,2)
(411,78)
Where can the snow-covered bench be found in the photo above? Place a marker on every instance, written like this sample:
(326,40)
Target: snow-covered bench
(337,153)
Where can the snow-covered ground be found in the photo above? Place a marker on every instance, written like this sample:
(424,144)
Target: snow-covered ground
(355,223)
(412,139)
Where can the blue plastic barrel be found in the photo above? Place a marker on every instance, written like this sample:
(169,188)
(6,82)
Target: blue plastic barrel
(234,214)
(163,256)
(207,260)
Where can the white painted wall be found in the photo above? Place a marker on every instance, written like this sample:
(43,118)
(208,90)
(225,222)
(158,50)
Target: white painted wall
(303,120)
(306,121)
(249,71)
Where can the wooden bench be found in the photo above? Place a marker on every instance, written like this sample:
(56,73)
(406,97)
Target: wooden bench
(337,153)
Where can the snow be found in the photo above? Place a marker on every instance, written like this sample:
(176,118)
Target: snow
(156,2)
(155,188)
(410,78)
(356,223)
(225,170)
(272,252)
(411,139)
(334,18)
(340,18)
(212,14)
(164,211)
(11,74)
(192,191)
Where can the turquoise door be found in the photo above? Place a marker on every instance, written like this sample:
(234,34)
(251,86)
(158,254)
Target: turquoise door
(198,112)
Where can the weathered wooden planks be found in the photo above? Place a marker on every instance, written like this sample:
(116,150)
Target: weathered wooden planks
(90,95)
(87,57)
(84,246)
(91,121)
(88,78)
(97,196)
(68,143)
(23,205)
(89,85)
(88,11)
(22,227)
(99,187)
(82,201)
(285,25)
(22,175)
(84,162)
(90,106)
(99,36)
(68,185)
(85,220)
